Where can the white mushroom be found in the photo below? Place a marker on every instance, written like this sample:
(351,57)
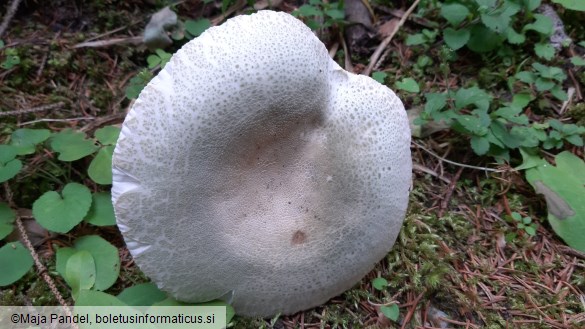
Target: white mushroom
(253,166)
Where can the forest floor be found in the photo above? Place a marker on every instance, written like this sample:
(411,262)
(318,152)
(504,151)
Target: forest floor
(460,261)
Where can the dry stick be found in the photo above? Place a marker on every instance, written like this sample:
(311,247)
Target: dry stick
(40,267)
(386,42)
(445,203)
(10,11)
(453,162)
(32,110)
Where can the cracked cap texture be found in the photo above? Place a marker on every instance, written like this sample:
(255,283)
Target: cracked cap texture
(253,166)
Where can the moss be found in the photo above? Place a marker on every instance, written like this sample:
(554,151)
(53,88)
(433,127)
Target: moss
(577,112)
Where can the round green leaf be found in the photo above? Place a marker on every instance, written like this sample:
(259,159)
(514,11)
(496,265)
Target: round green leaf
(25,140)
(379,283)
(15,261)
(97,298)
(72,145)
(408,84)
(379,76)
(483,39)
(107,261)
(454,13)
(107,135)
(9,165)
(391,312)
(80,271)
(101,212)
(144,294)
(60,213)
(544,50)
(480,145)
(456,38)
(563,188)
(63,255)
(7,216)
(195,28)
(100,168)
(578,5)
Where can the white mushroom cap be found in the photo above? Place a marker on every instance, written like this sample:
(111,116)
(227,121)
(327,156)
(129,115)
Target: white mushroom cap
(254,166)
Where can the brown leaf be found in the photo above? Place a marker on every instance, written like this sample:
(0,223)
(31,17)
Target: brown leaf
(386,29)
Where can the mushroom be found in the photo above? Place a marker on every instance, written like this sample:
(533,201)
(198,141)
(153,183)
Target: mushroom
(254,168)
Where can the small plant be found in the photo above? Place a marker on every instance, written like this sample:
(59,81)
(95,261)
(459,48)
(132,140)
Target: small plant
(160,57)
(321,14)
(524,223)
(485,25)
(11,58)
(544,78)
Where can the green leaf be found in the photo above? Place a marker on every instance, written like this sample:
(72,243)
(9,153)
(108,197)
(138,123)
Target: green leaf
(543,84)
(144,294)
(60,213)
(474,95)
(578,5)
(391,311)
(307,10)
(15,261)
(563,188)
(100,168)
(416,39)
(80,271)
(380,283)
(408,84)
(379,76)
(7,217)
(532,4)
(25,140)
(72,145)
(336,14)
(101,212)
(575,140)
(496,22)
(63,255)
(153,61)
(196,28)
(543,25)
(559,93)
(9,165)
(521,100)
(97,298)
(107,135)
(526,76)
(454,13)
(514,37)
(578,61)
(483,40)
(456,39)
(544,50)
(107,262)
(531,230)
(138,83)
(480,145)
(435,102)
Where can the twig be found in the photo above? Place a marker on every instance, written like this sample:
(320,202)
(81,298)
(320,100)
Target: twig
(40,267)
(346,58)
(110,42)
(32,110)
(386,42)
(456,163)
(10,11)
(450,189)
(56,120)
